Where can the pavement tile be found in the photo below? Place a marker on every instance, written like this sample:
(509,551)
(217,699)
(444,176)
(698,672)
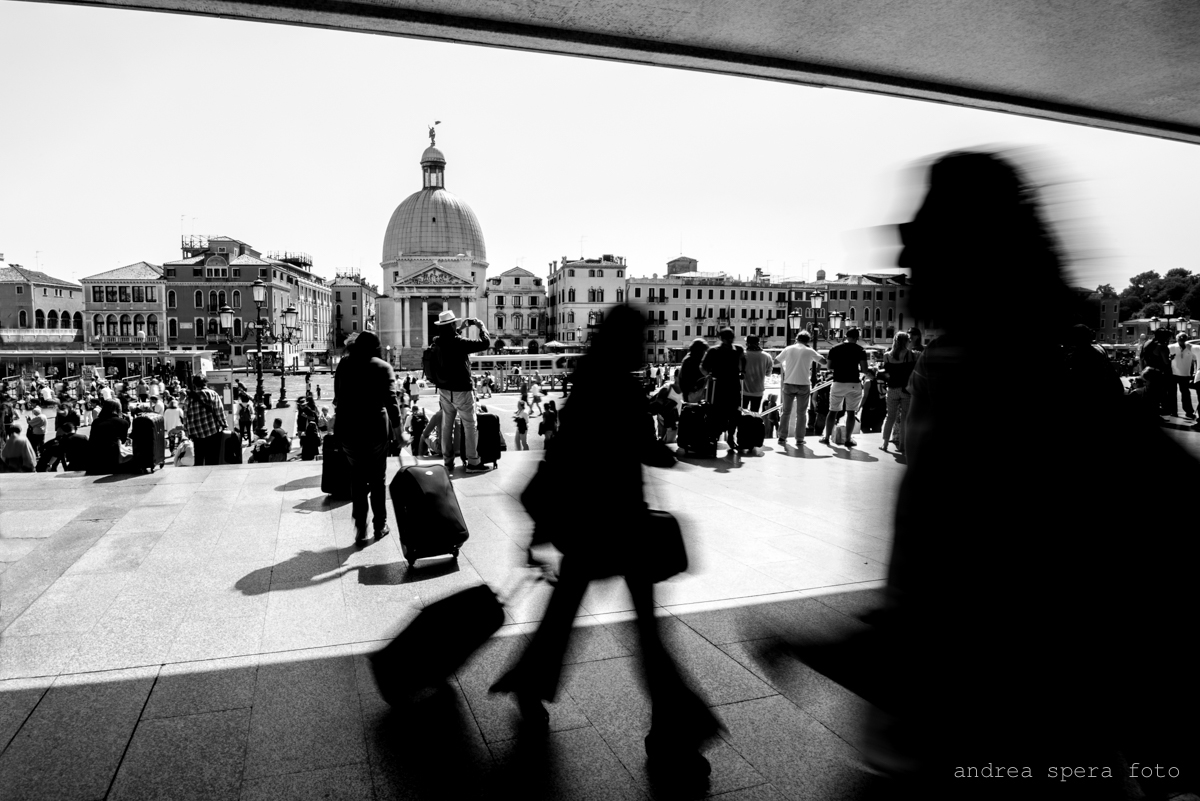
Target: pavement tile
(36,655)
(73,604)
(575,763)
(188,757)
(14,550)
(148,518)
(793,751)
(34,524)
(136,630)
(205,634)
(18,697)
(72,744)
(345,783)
(190,688)
(116,552)
(306,715)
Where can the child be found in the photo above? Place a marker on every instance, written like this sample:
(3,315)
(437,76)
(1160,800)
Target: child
(310,442)
(522,418)
(549,425)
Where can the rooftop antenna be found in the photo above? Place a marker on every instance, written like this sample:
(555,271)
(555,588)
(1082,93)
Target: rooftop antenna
(433,132)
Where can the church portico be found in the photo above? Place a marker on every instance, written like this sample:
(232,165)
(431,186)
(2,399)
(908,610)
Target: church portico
(434,260)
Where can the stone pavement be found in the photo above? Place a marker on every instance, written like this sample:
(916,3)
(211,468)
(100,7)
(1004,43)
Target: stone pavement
(201,632)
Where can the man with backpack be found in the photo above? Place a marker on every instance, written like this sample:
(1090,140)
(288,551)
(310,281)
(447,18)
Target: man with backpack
(447,364)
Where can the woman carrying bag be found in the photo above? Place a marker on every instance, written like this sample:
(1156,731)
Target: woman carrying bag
(606,404)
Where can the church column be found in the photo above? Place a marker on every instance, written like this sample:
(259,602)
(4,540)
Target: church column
(402,312)
(424,322)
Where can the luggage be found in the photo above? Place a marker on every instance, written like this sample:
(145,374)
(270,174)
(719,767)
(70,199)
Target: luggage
(750,430)
(770,416)
(839,435)
(149,442)
(231,448)
(437,642)
(430,520)
(489,440)
(697,432)
(335,469)
(874,410)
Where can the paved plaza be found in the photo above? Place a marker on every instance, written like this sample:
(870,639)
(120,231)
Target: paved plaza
(202,632)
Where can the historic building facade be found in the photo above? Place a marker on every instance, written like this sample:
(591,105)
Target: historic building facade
(516,309)
(580,293)
(34,300)
(355,303)
(127,308)
(434,260)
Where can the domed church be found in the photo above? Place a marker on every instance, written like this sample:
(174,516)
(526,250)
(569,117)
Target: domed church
(434,259)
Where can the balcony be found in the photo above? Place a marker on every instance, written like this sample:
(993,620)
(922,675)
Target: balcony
(129,341)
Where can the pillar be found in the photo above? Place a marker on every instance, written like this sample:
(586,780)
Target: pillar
(424,322)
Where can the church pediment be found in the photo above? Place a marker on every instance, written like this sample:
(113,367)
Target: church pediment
(434,276)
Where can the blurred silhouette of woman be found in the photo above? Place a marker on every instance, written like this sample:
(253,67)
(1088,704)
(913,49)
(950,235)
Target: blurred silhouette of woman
(606,404)
(1013,587)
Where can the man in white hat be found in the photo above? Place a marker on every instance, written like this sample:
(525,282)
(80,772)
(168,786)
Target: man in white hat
(455,393)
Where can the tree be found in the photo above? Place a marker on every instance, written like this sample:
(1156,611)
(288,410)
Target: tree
(1151,309)
(1106,291)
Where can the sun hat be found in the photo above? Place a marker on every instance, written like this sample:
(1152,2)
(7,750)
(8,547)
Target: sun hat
(446,318)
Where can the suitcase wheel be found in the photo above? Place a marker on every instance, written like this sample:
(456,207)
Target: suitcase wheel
(454,554)
(412,563)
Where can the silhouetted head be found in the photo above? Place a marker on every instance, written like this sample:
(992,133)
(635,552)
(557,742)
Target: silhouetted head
(752,342)
(852,334)
(109,409)
(698,347)
(980,221)
(726,336)
(366,346)
(1080,335)
(618,343)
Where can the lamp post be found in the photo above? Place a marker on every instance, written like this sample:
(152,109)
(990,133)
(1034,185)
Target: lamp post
(259,290)
(835,322)
(817,299)
(289,329)
(1154,323)
(793,325)
(1169,312)
(100,351)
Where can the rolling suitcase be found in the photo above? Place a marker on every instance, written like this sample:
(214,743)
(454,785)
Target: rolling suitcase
(431,521)
(488,441)
(149,442)
(335,469)
(751,431)
(231,448)
(697,431)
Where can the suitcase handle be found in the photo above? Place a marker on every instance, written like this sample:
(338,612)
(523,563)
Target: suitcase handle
(777,407)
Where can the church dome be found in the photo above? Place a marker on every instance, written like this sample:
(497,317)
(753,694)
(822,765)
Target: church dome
(433,221)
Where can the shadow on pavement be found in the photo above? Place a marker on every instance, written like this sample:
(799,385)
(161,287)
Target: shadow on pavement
(326,503)
(310,482)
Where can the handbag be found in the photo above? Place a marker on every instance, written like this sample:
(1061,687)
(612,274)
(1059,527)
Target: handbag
(124,451)
(666,553)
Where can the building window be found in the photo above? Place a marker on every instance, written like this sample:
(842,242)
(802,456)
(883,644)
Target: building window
(570,317)
(620,296)
(20,290)
(853,294)
(570,296)
(198,328)
(354,325)
(591,273)
(172,328)
(110,294)
(52,319)
(199,299)
(599,295)
(139,294)
(353,311)
(533,322)
(571,273)
(237,326)
(97,294)
(687,330)
(97,326)
(126,325)
(891,314)
(171,299)
(237,299)
(637,291)
(852,314)
(517,301)
(212,326)
(878,294)
(710,294)
(499,322)
(39,319)
(152,325)
(337,310)
(620,273)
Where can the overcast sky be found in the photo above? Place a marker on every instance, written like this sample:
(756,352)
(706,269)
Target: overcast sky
(117,124)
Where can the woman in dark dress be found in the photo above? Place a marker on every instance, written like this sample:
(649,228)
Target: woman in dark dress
(367,416)
(108,429)
(606,406)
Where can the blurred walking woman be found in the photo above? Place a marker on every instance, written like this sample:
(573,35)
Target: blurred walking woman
(898,363)
(367,416)
(606,405)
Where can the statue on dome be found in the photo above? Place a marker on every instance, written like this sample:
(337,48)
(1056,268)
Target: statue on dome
(433,133)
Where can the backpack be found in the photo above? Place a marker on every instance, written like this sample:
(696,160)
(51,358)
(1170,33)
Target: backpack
(431,363)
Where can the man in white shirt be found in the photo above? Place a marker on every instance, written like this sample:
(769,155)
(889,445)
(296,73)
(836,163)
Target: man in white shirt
(1183,366)
(796,363)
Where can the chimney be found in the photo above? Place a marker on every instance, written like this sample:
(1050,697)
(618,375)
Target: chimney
(820,275)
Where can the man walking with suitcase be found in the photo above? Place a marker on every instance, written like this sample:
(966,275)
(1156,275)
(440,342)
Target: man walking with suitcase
(456,398)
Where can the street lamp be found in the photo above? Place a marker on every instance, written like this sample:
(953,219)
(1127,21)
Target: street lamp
(1169,312)
(259,291)
(794,324)
(835,321)
(1154,323)
(288,336)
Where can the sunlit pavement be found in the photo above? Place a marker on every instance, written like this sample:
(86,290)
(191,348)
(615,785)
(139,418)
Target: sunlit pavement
(200,632)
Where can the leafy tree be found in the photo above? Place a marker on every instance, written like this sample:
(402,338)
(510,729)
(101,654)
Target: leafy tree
(1178,272)
(1106,291)
(1151,309)
(1129,308)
